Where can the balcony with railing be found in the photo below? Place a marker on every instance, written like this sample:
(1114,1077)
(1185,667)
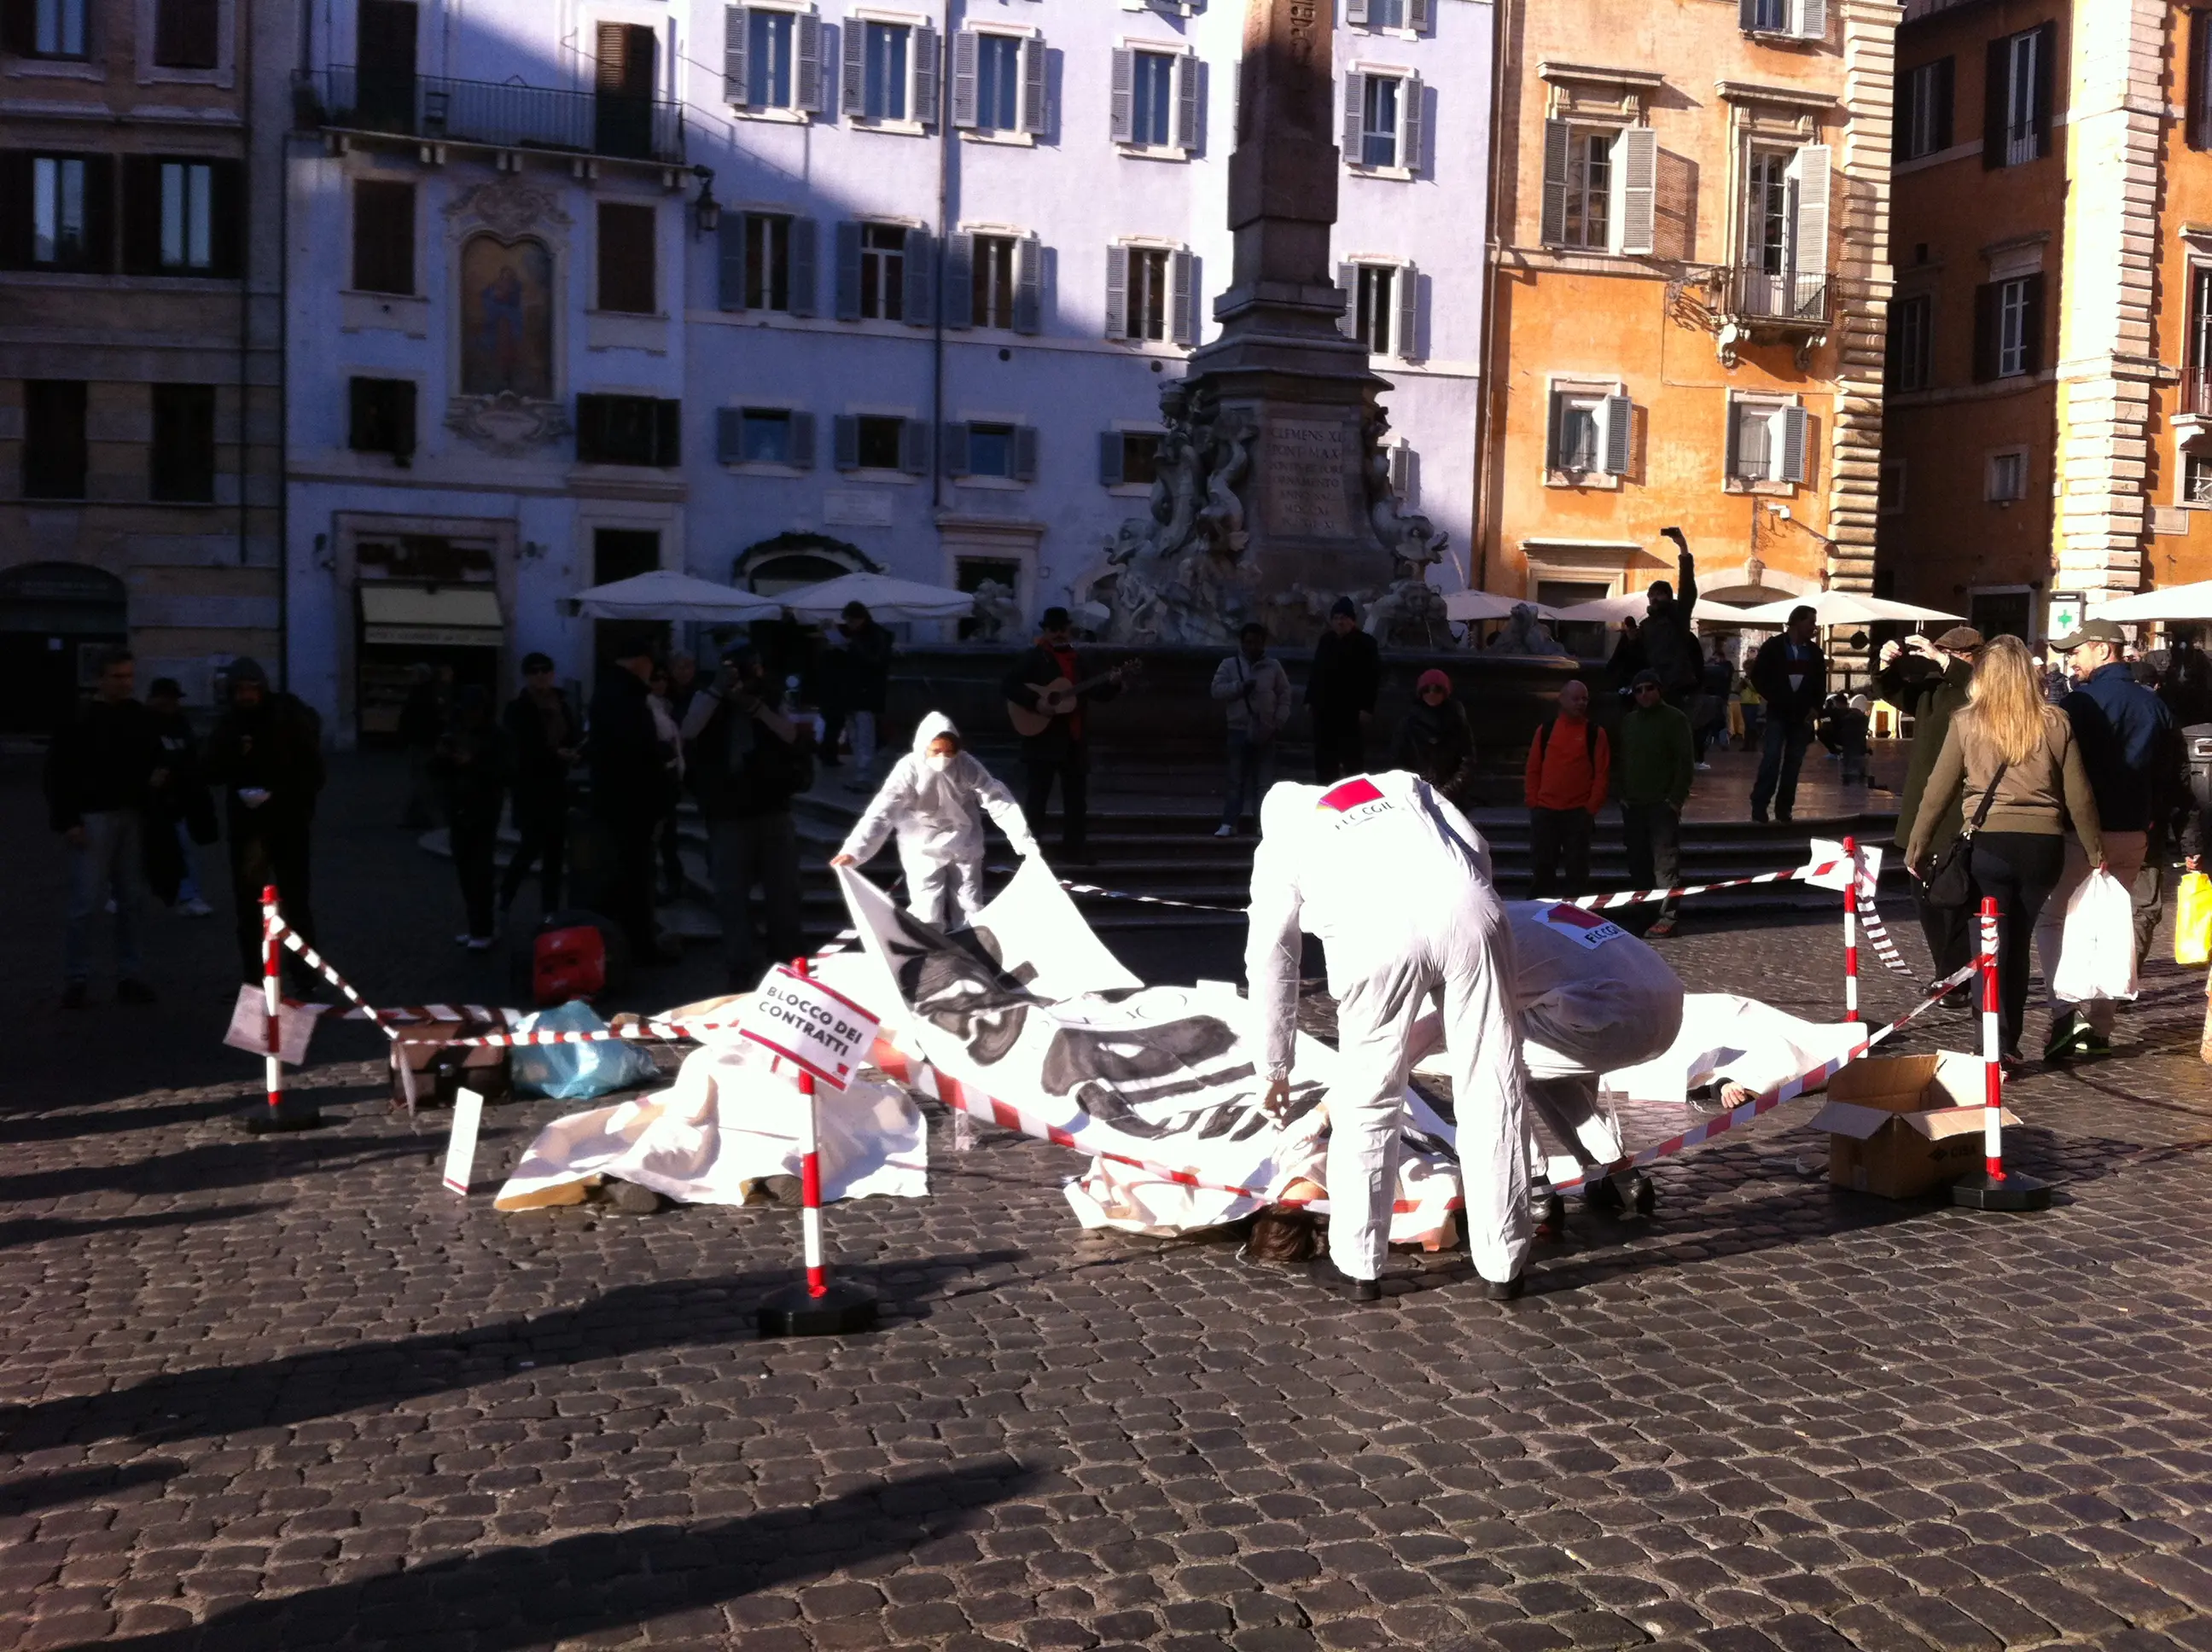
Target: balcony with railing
(502,115)
(1764,299)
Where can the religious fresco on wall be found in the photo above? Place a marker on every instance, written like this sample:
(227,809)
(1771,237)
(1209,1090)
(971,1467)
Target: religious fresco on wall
(507,318)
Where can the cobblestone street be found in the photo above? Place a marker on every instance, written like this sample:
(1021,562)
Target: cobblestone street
(291,1393)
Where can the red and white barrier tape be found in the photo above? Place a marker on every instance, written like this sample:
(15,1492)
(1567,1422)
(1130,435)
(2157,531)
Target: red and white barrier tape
(321,966)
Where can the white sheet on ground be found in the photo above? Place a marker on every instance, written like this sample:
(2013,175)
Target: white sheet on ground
(1736,1040)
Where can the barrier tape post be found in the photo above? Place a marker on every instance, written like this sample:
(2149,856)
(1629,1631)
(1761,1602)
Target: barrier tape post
(820,1308)
(1851,932)
(275,1114)
(1996,1189)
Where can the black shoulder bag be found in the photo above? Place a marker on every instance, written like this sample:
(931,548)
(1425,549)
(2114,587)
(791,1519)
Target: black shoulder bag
(1951,883)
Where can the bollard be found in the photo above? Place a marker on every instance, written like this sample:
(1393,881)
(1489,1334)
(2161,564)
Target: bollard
(820,1306)
(276,1114)
(1995,1188)
(1851,932)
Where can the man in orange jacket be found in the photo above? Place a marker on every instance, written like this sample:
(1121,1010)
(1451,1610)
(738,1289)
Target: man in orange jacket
(1565,788)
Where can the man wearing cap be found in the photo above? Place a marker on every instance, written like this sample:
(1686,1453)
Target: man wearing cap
(1791,675)
(1658,761)
(545,737)
(2125,733)
(1928,681)
(1341,686)
(266,753)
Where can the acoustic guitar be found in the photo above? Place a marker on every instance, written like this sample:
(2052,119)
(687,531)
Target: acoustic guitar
(1060,696)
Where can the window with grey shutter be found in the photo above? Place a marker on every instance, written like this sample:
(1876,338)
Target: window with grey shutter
(963,80)
(730,261)
(1403,467)
(1639,179)
(1109,459)
(913,446)
(1554,434)
(1408,332)
(925,74)
(1355,11)
(952,443)
(1417,15)
(1619,427)
(1185,324)
(1732,458)
(1792,444)
(853,83)
(845,436)
(1355,127)
(960,280)
(848,270)
(1188,71)
(1033,111)
(1812,19)
(1025,452)
(729,434)
(802,266)
(802,441)
(920,269)
(733,56)
(1029,285)
(1556,140)
(1411,124)
(809,53)
(1123,100)
(1807,172)
(1117,292)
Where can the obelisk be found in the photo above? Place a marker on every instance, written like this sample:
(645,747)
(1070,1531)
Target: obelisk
(1283,358)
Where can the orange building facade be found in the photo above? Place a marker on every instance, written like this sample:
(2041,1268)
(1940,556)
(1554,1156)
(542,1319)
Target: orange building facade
(1690,274)
(2050,429)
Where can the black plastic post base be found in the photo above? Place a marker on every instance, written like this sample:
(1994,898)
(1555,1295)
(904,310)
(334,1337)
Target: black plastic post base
(263,1120)
(2012,1192)
(792,1312)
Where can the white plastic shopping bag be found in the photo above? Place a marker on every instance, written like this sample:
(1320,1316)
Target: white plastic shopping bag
(2097,949)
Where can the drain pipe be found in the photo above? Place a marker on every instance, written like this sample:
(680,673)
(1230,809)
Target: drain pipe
(946,137)
(1491,249)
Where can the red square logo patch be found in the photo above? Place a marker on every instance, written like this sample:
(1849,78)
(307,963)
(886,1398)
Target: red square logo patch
(1350,795)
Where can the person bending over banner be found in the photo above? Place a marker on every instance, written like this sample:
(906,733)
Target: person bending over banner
(1393,881)
(931,800)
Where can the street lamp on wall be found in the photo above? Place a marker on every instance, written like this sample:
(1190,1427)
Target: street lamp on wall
(705,211)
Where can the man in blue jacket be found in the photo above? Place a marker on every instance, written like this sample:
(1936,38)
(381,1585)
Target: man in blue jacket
(2125,733)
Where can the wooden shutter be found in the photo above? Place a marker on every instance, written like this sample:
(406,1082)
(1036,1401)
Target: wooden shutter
(803,236)
(849,271)
(2031,324)
(1554,433)
(1348,283)
(1639,180)
(1812,20)
(142,214)
(1117,292)
(1183,322)
(802,440)
(16,209)
(1996,105)
(925,75)
(180,462)
(1188,75)
(1122,102)
(19,27)
(1901,121)
(1988,317)
(1025,452)
(1946,77)
(734,31)
(1109,459)
(1033,86)
(2046,47)
(1808,234)
(845,437)
(1355,117)
(913,446)
(729,434)
(384,236)
(807,27)
(1619,427)
(1407,330)
(1747,15)
(227,211)
(1556,139)
(626,54)
(964,48)
(1793,444)
(952,442)
(920,270)
(1417,15)
(1733,444)
(186,34)
(1355,11)
(668,434)
(960,281)
(1404,472)
(730,261)
(852,84)
(1029,285)
(1410,123)
(626,259)
(98,214)
(384,36)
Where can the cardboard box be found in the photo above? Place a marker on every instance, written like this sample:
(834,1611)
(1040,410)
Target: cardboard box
(1900,1125)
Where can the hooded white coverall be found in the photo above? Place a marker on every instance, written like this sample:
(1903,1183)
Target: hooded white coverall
(934,814)
(1393,879)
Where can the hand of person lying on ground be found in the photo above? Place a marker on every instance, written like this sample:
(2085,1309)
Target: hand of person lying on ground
(1278,1100)
(1736,1096)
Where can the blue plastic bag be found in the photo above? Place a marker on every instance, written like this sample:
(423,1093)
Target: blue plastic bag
(578,1072)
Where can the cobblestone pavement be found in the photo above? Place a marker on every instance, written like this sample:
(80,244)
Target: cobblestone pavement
(289,1392)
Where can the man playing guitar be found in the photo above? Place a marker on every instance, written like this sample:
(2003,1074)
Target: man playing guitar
(1046,696)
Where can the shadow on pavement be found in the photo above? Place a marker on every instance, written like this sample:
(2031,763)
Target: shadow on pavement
(109,1120)
(604,1581)
(36,1491)
(37,1230)
(242,1163)
(219,1400)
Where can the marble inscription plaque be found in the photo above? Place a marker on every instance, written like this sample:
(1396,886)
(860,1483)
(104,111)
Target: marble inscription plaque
(1306,460)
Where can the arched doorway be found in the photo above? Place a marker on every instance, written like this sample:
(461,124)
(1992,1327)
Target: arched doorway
(55,620)
(785,562)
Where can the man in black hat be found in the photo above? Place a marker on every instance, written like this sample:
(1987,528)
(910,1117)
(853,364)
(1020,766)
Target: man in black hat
(1340,690)
(1062,750)
(266,753)
(630,790)
(1928,681)
(1791,675)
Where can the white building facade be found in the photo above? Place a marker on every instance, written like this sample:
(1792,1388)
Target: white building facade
(767,291)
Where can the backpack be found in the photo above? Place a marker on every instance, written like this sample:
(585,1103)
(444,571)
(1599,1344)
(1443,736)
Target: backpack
(574,954)
(1589,739)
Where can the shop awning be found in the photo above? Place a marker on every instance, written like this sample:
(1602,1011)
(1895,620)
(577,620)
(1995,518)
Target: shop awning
(440,616)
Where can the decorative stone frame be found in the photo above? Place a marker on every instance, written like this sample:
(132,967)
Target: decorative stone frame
(509,209)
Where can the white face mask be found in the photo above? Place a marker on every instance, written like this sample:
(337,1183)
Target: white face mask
(939,761)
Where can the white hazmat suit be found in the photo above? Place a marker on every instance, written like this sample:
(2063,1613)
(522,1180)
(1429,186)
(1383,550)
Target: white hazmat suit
(1394,882)
(934,807)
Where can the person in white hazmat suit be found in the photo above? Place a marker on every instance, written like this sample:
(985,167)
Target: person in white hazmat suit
(932,801)
(1395,884)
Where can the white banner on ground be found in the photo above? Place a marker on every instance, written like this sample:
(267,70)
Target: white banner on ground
(249,1025)
(461,1146)
(1161,1074)
(810,1024)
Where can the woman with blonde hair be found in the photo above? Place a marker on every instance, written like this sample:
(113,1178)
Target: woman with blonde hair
(2009,760)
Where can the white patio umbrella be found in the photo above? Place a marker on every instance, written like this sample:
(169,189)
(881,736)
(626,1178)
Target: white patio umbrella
(886,598)
(1834,608)
(665,594)
(1470,606)
(2180,602)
